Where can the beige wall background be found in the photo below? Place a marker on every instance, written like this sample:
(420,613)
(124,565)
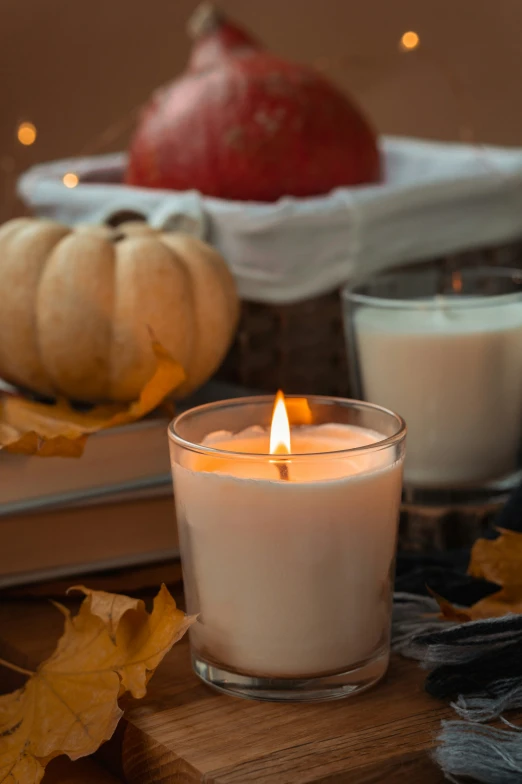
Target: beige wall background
(75,67)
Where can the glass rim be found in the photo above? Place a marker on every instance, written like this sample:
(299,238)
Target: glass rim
(389,441)
(350,294)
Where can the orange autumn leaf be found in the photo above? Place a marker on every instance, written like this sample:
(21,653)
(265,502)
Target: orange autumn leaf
(47,430)
(505,601)
(448,612)
(498,561)
(70,704)
(497,604)
(298,410)
(141,640)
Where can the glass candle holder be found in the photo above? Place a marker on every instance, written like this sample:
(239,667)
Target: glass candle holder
(288,559)
(445,350)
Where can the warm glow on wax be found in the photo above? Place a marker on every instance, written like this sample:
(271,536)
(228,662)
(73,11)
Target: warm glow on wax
(456,282)
(280,429)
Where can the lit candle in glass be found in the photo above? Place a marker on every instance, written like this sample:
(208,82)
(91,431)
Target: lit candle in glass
(288,536)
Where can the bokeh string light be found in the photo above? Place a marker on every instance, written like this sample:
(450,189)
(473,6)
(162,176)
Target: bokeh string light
(409,41)
(26,133)
(70,180)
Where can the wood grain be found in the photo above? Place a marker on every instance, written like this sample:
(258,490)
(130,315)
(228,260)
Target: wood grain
(184,733)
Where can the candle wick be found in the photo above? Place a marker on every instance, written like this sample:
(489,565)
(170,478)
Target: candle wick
(283,471)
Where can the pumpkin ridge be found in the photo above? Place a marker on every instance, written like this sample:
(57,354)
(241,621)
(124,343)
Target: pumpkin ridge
(37,331)
(28,226)
(75,323)
(215,306)
(7,233)
(194,331)
(112,331)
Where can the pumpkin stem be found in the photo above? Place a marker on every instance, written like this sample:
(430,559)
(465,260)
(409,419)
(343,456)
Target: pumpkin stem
(216,36)
(205,19)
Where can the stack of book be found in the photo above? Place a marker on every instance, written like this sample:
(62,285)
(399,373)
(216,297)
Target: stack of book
(111,508)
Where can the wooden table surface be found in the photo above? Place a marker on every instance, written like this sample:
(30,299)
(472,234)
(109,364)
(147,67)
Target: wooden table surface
(184,732)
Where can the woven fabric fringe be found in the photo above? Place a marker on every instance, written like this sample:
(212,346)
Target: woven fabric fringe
(475,675)
(486,754)
(477,664)
(414,619)
(505,694)
(418,633)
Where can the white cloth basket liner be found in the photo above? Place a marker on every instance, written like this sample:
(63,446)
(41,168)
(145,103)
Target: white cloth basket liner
(436,199)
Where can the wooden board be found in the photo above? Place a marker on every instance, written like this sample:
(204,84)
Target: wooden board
(182,732)
(185,732)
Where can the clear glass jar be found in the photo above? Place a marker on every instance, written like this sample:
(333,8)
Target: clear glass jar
(444,349)
(288,559)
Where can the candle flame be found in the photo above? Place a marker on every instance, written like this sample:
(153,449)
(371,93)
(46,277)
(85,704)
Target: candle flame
(456,282)
(280,430)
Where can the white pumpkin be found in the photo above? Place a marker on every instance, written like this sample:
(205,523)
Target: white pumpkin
(79,305)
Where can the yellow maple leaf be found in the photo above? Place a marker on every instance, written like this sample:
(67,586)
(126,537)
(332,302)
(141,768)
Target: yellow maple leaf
(46,430)
(140,640)
(498,561)
(70,704)
(298,411)
(505,601)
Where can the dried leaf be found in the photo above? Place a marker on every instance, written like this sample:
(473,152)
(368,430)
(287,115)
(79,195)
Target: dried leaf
(31,428)
(508,600)
(70,704)
(298,410)
(141,640)
(498,561)
(448,612)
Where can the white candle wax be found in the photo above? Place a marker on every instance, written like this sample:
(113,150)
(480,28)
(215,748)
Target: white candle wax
(455,375)
(291,578)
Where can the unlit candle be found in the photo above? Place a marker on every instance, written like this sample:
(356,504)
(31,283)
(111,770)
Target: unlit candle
(452,367)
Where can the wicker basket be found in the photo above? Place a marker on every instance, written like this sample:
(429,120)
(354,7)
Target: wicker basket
(297,348)
(300,347)
(436,529)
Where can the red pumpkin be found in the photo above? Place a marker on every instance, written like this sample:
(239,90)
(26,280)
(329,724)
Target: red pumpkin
(244,124)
